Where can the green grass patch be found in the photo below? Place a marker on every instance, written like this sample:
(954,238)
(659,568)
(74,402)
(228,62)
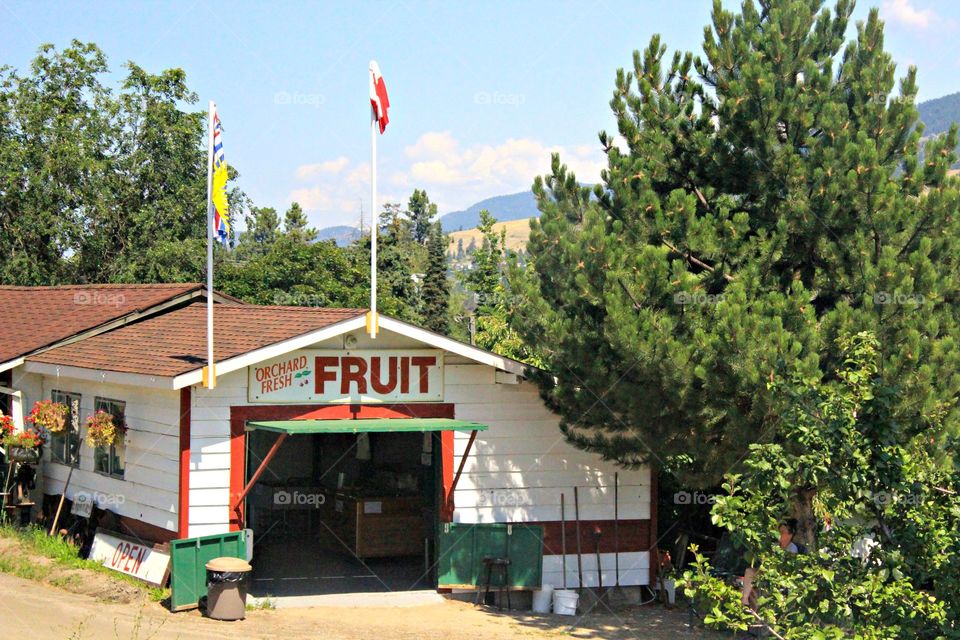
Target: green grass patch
(36,541)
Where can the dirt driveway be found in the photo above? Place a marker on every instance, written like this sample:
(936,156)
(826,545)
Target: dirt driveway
(38,612)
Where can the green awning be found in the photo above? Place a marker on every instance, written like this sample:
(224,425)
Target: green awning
(369,425)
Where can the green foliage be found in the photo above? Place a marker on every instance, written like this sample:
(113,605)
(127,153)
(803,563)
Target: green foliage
(63,554)
(484,276)
(767,199)
(263,228)
(421,212)
(295,224)
(435,292)
(886,567)
(293,272)
(99,186)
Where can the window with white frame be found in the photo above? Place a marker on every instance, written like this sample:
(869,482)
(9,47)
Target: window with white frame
(111,460)
(65,445)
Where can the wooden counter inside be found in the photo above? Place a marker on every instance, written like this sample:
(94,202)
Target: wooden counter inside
(376,527)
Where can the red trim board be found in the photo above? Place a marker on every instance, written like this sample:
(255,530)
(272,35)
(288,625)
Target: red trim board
(183,506)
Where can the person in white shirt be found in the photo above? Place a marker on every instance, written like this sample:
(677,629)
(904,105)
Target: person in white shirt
(788,529)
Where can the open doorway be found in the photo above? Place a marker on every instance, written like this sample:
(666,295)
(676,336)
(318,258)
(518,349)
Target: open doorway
(338,513)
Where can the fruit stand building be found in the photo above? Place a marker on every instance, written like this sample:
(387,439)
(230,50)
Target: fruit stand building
(324,442)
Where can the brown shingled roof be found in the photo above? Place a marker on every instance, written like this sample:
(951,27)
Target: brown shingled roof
(175,342)
(35,317)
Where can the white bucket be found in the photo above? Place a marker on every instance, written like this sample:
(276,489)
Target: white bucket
(565,602)
(542,599)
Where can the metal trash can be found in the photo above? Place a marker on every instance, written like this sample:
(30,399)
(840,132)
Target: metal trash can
(227,588)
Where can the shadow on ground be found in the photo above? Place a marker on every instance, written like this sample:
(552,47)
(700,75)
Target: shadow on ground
(650,622)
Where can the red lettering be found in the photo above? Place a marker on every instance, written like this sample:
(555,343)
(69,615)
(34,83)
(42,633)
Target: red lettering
(116,552)
(324,376)
(353,369)
(131,550)
(376,381)
(404,375)
(136,565)
(424,363)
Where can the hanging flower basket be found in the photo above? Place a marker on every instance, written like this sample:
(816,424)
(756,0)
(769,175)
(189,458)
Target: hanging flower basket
(6,426)
(23,454)
(21,446)
(102,431)
(49,415)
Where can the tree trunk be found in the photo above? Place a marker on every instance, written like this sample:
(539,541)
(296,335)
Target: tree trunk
(807,523)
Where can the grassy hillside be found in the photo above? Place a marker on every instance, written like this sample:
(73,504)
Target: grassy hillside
(517,233)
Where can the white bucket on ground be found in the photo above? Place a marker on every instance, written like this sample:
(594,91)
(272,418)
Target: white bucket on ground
(542,599)
(565,602)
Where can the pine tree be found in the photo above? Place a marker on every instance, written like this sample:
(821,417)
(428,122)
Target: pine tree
(421,212)
(295,224)
(485,273)
(394,264)
(263,226)
(768,201)
(435,292)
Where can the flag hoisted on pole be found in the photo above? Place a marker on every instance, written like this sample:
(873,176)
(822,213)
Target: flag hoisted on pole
(218,223)
(379,103)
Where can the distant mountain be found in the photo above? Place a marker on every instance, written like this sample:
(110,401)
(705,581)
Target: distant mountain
(341,234)
(516,206)
(938,114)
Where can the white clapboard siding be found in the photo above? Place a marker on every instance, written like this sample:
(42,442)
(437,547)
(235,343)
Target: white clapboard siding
(518,468)
(198,530)
(209,515)
(471,374)
(487,393)
(569,463)
(149,488)
(201,461)
(210,479)
(200,429)
(209,497)
(210,452)
(205,446)
(634,569)
(545,513)
(546,497)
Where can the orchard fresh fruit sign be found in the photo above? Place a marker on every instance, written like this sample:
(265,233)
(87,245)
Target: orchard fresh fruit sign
(388,375)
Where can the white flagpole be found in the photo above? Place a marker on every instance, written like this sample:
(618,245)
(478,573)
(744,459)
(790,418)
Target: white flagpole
(373,322)
(210,379)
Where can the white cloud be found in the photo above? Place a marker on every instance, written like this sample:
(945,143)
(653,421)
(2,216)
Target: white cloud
(905,13)
(311,199)
(455,176)
(434,144)
(307,171)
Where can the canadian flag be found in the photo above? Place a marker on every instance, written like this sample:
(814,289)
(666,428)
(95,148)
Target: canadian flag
(378,96)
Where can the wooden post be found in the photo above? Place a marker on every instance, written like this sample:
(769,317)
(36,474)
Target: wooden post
(63,496)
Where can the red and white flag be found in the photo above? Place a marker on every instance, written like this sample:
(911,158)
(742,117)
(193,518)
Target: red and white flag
(378,96)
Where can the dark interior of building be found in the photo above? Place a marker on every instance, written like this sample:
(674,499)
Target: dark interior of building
(343,513)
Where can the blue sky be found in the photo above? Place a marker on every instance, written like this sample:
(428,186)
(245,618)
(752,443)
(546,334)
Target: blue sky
(481,93)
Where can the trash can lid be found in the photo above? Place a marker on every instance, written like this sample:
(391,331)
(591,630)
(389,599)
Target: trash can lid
(228,564)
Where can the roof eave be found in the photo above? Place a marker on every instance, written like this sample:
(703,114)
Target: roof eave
(272,351)
(101,375)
